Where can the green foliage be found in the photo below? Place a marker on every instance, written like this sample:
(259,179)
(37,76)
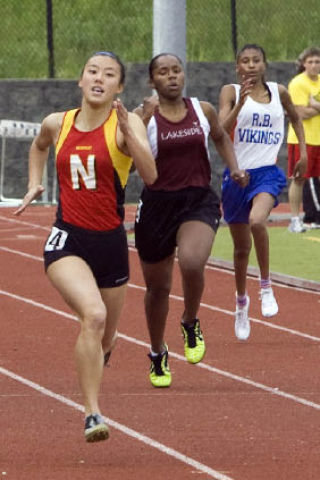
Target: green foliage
(120,26)
(81,27)
(23,39)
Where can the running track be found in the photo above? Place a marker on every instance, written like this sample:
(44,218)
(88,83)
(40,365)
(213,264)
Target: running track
(249,411)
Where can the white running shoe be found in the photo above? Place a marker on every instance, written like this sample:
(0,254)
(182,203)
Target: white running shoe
(269,306)
(311,226)
(296,225)
(242,323)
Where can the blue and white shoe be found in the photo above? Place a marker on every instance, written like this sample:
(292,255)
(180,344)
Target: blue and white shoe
(95,428)
(269,306)
(242,326)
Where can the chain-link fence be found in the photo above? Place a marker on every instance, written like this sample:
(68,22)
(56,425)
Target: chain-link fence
(51,38)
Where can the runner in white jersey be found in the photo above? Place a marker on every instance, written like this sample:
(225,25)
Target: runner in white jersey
(253,113)
(259,130)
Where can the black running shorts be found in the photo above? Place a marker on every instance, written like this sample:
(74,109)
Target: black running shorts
(106,253)
(160,214)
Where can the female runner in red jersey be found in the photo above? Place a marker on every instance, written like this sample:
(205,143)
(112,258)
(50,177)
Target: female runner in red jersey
(180,209)
(86,254)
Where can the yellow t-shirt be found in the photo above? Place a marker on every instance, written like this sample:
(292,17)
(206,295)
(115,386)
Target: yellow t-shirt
(300,89)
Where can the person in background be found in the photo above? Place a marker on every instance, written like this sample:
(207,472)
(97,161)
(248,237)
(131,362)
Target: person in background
(253,113)
(86,253)
(304,90)
(311,203)
(179,213)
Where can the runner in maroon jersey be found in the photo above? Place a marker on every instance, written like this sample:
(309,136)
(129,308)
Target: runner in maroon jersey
(86,253)
(180,209)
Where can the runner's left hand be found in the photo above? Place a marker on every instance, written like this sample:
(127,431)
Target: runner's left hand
(241,177)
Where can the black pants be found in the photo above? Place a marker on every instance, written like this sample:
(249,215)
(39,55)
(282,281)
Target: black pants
(311,200)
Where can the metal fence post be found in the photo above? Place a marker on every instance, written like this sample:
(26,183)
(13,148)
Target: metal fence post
(234,26)
(50,39)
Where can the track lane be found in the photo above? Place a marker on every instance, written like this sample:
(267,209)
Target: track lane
(237,437)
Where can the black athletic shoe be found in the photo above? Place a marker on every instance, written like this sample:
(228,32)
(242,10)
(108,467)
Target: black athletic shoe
(106,358)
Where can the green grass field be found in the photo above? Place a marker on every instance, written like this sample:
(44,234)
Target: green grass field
(290,254)
(295,255)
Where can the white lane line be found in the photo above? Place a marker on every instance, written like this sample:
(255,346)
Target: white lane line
(217,371)
(255,320)
(200,467)
(25,224)
(268,324)
(232,376)
(22,254)
(208,267)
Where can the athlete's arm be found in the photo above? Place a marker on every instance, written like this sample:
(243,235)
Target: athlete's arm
(306,107)
(38,156)
(223,143)
(132,139)
(146,109)
(228,108)
(308,111)
(297,125)
(314,104)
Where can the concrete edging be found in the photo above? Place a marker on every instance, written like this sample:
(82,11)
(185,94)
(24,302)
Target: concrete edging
(275,276)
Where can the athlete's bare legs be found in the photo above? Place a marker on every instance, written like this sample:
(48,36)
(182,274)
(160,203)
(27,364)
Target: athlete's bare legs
(73,278)
(195,240)
(158,279)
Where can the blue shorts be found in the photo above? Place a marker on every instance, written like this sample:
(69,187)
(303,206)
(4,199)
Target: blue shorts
(237,201)
(106,253)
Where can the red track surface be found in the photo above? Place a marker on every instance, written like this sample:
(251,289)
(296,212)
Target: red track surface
(249,411)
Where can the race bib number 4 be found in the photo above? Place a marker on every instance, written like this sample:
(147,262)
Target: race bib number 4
(56,240)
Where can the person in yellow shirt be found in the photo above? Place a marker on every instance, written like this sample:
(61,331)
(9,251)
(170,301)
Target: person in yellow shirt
(304,89)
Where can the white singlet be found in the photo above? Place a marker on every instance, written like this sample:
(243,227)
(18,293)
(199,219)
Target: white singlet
(259,130)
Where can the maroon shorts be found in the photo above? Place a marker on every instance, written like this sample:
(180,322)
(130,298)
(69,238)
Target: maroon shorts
(313,151)
(160,215)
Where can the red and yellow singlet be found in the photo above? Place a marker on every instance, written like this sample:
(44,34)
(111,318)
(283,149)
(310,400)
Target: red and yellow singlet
(92,175)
